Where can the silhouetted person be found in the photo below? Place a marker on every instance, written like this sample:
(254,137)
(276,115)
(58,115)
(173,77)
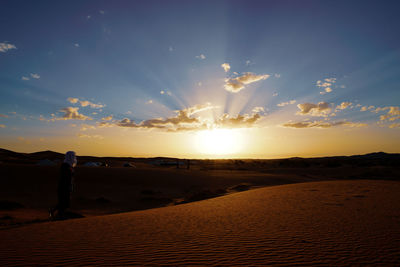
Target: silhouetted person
(65,185)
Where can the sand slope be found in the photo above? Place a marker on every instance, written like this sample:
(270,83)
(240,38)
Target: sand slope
(335,222)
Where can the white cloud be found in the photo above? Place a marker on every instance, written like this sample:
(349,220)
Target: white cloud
(76,45)
(226,67)
(108,118)
(4,47)
(344,105)
(149,102)
(248,62)
(35,76)
(323,124)
(185,121)
(93,105)
(96,136)
(237,84)
(277,75)
(274,93)
(71,113)
(239,121)
(72,100)
(291,102)
(170,49)
(84,103)
(25,78)
(88,17)
(162,92)
(394,125)
(258,110)
(85,127)
(322,109)
(392,115)
(201,56)
(326,85)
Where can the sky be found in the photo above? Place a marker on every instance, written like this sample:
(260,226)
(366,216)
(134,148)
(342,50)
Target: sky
(200,79)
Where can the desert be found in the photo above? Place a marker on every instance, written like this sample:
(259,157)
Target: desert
(274,212)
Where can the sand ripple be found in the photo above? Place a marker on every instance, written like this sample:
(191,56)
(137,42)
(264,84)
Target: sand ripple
(312,223)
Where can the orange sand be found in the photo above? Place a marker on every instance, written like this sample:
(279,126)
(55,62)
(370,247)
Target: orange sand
(333,223)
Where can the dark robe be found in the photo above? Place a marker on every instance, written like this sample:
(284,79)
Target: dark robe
(64,186)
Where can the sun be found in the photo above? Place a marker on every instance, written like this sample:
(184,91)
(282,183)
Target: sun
(219,141)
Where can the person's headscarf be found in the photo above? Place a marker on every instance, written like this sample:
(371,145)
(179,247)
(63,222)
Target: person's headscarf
(70,158)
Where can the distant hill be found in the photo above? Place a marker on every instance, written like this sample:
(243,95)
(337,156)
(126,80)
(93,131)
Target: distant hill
(370,159)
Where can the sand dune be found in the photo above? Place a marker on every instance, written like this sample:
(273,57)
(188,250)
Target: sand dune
(334,222)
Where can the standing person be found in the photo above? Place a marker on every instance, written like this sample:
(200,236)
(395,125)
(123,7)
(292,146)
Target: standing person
(65,185)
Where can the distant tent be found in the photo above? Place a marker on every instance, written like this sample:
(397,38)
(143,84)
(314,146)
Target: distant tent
(128,164)
(45,162)
(92,164)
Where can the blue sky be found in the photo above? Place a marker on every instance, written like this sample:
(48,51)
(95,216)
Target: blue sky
(297,64)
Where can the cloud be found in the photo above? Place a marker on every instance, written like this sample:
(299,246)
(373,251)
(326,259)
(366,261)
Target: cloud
(286,103)
(149,102)
(35,76)
(323,124)
(96,136)
(201,56)
(275,94)
(235,85)
(71,113)
(258,110)
(85,127)
(248,62)
(76,45)
(226,67)
(162,92)
(4,47)
(394,125)
(392,115)
(88,16)
(2,126)
(326,85)
(101,12)
(322,109)
(170,49)
(72,100)
(25,78)
(108,118)
(84,103)
(239,121)
(344,105)
(3,116)
(183,117)
(365,108)
(277,75)
(185,121)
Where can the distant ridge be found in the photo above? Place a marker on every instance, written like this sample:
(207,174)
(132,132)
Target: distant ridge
(374,158)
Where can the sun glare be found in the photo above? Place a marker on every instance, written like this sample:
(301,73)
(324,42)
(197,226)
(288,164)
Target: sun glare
(219,141)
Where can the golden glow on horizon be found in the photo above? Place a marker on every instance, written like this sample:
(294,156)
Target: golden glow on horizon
(219,141)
